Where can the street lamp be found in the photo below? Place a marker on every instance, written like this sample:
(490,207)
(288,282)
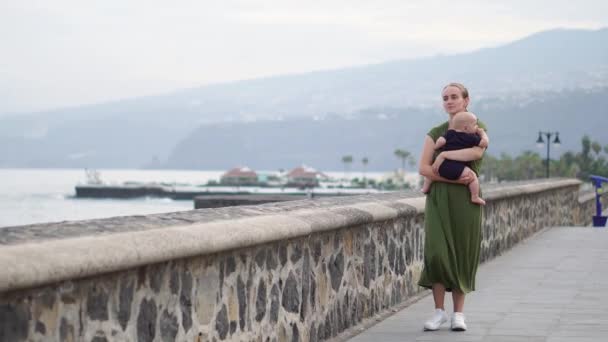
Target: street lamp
(540,142)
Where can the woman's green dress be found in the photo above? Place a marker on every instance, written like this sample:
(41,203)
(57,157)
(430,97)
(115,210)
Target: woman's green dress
(452,232)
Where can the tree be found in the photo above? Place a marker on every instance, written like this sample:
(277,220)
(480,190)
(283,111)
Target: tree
(405,156)
(490,167)
(567,165)
(586,142)
(365,161)
(528,165)
(347,160)
(596,147)
(585,158)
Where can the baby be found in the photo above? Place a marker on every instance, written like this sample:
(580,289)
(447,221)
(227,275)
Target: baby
(462,133)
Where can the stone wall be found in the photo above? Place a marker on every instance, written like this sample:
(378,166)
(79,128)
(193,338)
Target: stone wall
(219,201)
(292,271)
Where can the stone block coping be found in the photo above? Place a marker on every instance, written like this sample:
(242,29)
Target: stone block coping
(34,263)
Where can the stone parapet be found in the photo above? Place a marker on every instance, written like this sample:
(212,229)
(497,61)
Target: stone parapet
(302,270)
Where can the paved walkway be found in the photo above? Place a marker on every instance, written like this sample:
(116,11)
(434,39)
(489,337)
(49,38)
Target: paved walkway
(552,287)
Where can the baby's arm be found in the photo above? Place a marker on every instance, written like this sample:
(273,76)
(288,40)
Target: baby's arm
(485,140)
(439,143)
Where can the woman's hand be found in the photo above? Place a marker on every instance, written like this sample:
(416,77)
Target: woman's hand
(437,163)
(466,178)
(426,164)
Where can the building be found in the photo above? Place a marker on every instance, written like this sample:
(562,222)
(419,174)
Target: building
(272,179)
(304,176)
(239,176)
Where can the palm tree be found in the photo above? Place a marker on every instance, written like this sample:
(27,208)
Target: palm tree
(365,161)
(347,160)
(596,147)
(405,156)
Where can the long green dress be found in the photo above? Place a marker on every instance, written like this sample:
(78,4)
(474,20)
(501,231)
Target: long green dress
(452,232)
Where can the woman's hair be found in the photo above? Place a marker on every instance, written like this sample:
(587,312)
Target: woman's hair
(463,89)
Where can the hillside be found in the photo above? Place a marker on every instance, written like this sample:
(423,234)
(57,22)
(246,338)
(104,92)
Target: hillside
(375,133)
(134,132)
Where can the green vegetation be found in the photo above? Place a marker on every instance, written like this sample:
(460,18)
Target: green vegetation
(347,160)
(389,184)
(593,159)
(365,161)
(404,156)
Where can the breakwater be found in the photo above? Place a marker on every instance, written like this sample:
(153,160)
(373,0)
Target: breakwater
(188,193)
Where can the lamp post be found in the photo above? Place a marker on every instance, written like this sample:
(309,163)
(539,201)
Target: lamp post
(540,142)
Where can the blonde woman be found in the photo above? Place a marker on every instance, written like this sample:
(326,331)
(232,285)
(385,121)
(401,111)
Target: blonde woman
(452,222)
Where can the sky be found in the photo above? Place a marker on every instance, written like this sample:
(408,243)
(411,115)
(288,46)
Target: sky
(63,53)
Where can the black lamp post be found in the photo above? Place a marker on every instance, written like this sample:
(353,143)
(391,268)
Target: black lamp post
(540,142)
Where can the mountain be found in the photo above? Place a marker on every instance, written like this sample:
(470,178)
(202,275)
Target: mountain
(375,133)
(146,130)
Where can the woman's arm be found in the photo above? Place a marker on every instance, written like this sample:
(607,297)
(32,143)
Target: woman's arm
(464,155)
(485,140)
(468,154)
(426,160)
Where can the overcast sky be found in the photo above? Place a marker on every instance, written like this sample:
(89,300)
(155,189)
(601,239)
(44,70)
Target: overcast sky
(58,53)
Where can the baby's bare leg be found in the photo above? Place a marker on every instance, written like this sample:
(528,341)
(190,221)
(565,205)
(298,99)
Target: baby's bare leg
(427,185)
(473,187)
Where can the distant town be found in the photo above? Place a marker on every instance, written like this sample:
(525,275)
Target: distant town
(243,185)
(303,177)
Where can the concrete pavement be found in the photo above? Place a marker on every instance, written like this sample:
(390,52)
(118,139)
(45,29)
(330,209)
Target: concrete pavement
(552,287)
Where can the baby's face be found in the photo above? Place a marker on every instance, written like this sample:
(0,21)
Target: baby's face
(465,122)
(471,127)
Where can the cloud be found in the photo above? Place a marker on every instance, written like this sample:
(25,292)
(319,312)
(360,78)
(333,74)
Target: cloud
(71,52)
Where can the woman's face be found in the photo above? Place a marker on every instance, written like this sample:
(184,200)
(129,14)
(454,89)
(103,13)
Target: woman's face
(453,102)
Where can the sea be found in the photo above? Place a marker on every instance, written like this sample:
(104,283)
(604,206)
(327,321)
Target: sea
(30,196)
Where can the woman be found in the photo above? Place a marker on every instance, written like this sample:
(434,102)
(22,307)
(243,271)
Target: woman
(452,222)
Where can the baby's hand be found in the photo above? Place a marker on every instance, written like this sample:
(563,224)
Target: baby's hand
(439,143)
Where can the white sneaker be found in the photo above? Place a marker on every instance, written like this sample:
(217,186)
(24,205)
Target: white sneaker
(458,322)
(439,317)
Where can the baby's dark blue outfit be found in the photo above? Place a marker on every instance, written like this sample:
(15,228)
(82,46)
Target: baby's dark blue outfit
(452,169)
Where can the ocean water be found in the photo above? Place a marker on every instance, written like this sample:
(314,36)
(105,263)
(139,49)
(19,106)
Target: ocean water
(29,196)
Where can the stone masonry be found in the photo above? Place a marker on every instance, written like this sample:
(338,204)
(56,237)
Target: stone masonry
(309,287)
